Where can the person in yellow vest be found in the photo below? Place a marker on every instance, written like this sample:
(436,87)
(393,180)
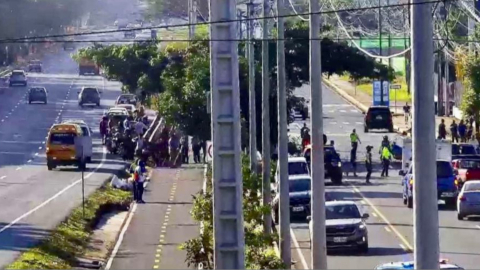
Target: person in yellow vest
(386,157)
(354,139)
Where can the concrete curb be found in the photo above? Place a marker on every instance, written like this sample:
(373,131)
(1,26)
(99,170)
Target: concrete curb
(355,102)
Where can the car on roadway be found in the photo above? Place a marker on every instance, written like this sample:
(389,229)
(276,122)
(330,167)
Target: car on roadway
(332,162)
(37,94)
(346,227)
(127,99)
(447,185)
(129,107)
(444,264)
(468,203)
(299,191)
(296,166)
(378,117)
(89,95)
(61,148)
(466,169)
(117,111)
(18,77)
(87,136)
(35,66)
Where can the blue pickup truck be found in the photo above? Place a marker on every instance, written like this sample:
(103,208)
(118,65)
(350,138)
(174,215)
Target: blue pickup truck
(446,185)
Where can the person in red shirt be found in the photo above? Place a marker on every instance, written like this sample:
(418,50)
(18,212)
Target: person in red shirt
(305,139)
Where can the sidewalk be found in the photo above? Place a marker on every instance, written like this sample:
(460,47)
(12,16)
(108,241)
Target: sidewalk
(163,223)
(362,101)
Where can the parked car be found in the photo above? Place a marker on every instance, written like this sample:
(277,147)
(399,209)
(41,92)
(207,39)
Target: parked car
(468,203)
(18,77)
(296,166)
(345,226)
(37,94)
(378,117)
(127,99)
(300,187)
(89,95)
(466,169)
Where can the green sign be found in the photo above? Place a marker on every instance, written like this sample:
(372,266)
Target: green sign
(374,43)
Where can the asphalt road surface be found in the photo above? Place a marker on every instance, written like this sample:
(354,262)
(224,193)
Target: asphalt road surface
(34,200)
(390,226)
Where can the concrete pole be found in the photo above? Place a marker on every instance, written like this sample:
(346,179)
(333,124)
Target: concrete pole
(194,17)
(251,90)
(190,19)
(426,233)
(319,248)
(267,196)
(380,30)
(229,240)
(284,207)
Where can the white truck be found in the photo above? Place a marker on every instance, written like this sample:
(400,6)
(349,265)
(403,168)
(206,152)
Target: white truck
(444,152)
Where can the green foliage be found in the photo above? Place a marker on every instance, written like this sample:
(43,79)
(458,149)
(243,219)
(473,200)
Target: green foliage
(259,253)
(70,238)
(468,71)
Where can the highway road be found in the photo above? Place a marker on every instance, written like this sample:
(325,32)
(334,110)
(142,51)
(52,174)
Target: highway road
(34,199)
(390,225)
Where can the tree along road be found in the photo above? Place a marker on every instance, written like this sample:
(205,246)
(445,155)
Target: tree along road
(390,226)
(34,199)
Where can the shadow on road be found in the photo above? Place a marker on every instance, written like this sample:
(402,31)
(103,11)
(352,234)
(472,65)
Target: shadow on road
(20,237)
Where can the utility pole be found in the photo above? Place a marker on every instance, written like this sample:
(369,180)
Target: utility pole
(194,17)
(190,20)
(389,40)
(251,90)
(229,241)
(284,207)
(426,250)
(380,44)
(319,245)
(267,196)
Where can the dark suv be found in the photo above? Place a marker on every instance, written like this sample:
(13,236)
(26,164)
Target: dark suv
(378,117)
(333,163)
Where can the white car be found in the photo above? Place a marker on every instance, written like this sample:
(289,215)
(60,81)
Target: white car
(468,201)
(296,166)
(87,134)
(130,108)
(118,111)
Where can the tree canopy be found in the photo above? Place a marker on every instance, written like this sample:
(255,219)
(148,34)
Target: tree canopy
(468,72)
(177,77)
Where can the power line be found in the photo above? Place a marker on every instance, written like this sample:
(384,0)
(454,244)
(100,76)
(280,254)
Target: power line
(212,22)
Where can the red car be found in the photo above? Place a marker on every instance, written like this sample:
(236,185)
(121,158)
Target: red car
(466,169)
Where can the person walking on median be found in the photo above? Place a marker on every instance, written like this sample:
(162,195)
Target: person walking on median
(304,130)
(386,157)
(185,149)
(174,145)
(368,163)
(454,131)
(442,130)
(138,182)
(104,128)
(462,131)
(355,140)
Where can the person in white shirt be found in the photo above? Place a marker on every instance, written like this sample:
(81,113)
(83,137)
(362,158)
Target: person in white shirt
(140,127)
(138,182)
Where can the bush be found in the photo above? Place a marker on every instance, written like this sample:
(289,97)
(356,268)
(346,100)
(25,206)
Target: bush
(259,252)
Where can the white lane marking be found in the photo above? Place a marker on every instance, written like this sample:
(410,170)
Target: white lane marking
(478,227)
(36,154)
(359,123)
(354,111)
(120,238)
(6,117)
(333,123)
(29,161)
(387,229)
(346,123)
(6,227)
(12,153)
(40,148)
(374,214)
(3,177)
(3,120)
(299,250)
(18,168)
(399,235)
(403,247)
(343,111)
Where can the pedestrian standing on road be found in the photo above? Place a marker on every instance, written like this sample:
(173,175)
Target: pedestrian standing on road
(306,139)
(368,163)
(442,130)
(386,157)
(304,130)
(138,181)
(462,131)
(454,131)
(353,161)
(355,140)
(174,145)
(406,112)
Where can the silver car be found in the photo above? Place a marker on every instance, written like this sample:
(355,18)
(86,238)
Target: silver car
(468,202)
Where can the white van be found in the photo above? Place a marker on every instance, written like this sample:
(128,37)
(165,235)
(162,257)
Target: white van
(87,133)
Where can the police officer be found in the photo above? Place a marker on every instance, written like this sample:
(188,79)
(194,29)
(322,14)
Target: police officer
(386,157)
(368,163)
(355,140)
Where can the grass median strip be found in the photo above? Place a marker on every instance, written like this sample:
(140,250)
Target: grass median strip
(70,239)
